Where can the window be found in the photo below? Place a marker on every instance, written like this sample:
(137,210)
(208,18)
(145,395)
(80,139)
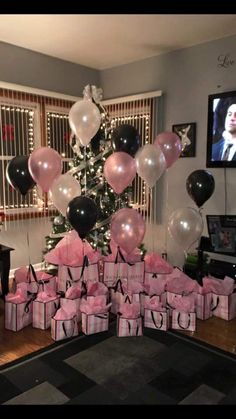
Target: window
(29,121)
(141,112)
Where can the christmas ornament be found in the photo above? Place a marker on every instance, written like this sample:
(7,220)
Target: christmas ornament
(58,221)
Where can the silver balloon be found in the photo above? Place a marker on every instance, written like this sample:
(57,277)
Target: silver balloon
(63,190)
(150,163)
(185,226)
(84,120)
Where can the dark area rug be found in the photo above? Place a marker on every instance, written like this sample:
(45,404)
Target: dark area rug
(157,368)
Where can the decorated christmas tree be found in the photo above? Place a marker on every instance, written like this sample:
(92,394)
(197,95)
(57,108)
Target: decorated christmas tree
(87,168)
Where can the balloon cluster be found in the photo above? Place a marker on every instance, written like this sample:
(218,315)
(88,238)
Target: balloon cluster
(185,224)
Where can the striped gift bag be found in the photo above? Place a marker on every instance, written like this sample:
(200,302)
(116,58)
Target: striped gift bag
(43,311)
(183,321)
(18,315)
(129,327)
(64,329)
(94,323)
(156,319)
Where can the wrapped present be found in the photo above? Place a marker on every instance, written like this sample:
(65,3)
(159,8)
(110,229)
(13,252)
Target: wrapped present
(44,308)
(129,327)
(157,319)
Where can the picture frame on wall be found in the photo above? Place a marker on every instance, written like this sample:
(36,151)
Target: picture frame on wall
(187,135)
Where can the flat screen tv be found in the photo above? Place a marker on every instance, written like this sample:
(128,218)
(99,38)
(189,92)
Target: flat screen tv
(222,233)
(221,130)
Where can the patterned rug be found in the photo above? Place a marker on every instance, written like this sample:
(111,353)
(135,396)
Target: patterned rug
(157,368)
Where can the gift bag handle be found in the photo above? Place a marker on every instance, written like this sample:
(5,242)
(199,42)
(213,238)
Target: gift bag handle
(129,327)
(154,321)
(217,303)
(178,321)
(64,329)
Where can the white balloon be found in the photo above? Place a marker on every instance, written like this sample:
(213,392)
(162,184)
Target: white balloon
(185,226)
(84,120)
(150,163)
(63,190)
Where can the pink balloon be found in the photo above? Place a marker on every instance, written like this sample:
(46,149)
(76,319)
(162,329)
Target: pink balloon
(170,145)
(127,229)
(119,170)
(45,165)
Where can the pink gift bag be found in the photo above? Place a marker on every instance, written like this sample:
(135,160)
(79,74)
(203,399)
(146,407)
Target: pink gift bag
(156,319)
(183,321)
(113,271)
(224,306)
(136,272)
(43,311)
(129,327)
(94,323)
(18,315)
(64,329)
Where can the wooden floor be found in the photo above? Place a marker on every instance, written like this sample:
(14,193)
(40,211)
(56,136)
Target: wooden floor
(14,345)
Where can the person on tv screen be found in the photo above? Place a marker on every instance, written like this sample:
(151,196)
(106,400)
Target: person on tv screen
(225,148)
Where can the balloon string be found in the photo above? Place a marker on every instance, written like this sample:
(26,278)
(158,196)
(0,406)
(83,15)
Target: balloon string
(28,243)
(186,251)
(166,211)
(85,175)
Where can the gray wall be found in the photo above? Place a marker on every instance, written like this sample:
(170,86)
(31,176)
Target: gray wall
(186,78)
(22,66)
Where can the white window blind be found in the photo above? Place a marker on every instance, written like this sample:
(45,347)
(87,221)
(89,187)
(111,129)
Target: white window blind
(140,111)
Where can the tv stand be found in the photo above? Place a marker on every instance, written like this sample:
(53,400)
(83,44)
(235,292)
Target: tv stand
(215,267)
(220,269)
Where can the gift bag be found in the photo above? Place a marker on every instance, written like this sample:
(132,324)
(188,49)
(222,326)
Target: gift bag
(183,321)
(64,329)
(224,306)
(204,306)
(136,271)
(43,311)
(94,323)
(64,301)
(18,315)
(113,271)
(129,327)
(156,319)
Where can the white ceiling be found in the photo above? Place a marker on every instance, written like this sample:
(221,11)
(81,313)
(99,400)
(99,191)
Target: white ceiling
(103,41)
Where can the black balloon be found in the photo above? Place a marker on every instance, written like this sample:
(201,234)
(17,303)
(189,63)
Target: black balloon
(126,138)
(18,174)
(200,186)
(82,214)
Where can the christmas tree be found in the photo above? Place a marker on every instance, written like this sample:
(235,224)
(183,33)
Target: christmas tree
(87,168)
